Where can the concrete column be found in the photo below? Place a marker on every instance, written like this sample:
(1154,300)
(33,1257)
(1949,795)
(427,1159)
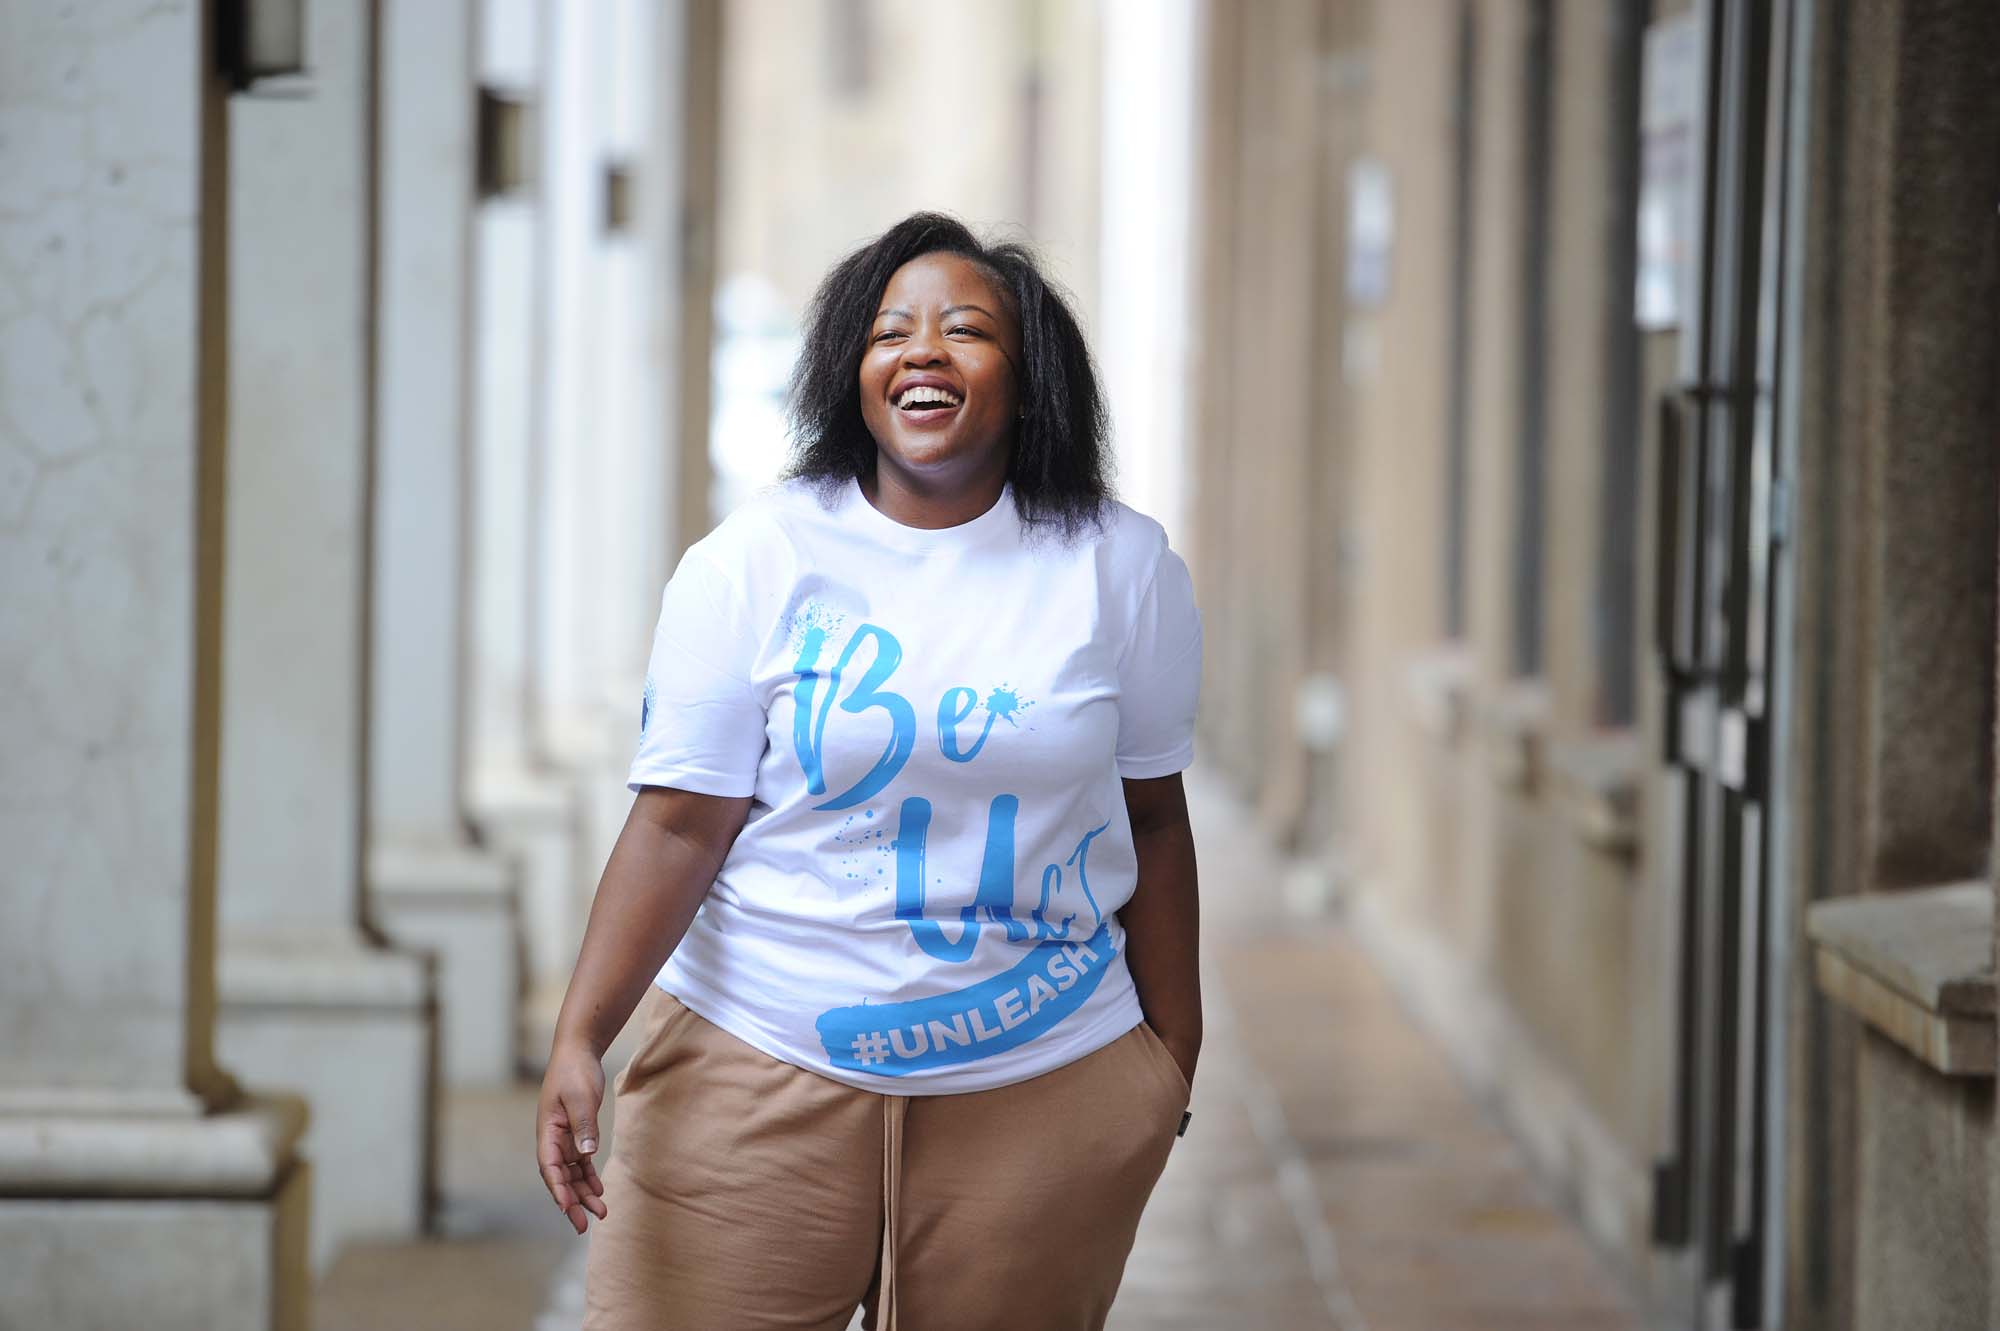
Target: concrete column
(653,286)
(687,196)
(1501,203)
(626,521)
(577,521)
(589,434)
(520,803)
(1147,116)
(128,1157)
(576,417)
(312,996)
(1260,82)
(1213,228)
(431,887)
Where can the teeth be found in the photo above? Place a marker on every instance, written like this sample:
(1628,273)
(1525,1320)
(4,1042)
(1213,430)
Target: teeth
(925,394)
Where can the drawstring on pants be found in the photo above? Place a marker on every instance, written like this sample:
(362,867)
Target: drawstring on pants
(893,1107)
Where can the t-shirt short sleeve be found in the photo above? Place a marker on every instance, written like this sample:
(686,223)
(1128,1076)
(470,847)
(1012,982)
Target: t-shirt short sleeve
(701,727)
(1159,676)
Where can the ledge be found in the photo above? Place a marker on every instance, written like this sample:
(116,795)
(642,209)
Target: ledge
(519,800)
(243,1151)
(320,969)
(1916,965)
(1597,780)
(1515,719)
(445,875)
(1439,683)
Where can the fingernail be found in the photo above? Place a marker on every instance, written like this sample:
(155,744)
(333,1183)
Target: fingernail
(587,1145)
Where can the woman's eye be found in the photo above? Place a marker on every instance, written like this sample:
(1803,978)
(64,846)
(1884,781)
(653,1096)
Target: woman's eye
(963,329)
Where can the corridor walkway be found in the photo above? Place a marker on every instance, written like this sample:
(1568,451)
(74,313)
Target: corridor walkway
(1335,1176)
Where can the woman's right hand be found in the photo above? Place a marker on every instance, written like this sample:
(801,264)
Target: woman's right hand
(566,1132)
(672,845)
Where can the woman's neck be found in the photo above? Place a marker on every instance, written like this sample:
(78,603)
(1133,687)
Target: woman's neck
(934,504)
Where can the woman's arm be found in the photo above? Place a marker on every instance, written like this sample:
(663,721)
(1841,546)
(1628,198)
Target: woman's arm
(666,858)
(1162,920)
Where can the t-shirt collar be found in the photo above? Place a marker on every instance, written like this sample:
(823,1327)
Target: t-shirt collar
(999,518)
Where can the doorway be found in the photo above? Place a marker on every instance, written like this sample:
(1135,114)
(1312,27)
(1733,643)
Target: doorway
(1724,485)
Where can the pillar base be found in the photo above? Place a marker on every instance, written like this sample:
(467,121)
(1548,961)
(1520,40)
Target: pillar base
(351,1026)
(534,817)
(460,904)
(174,1223)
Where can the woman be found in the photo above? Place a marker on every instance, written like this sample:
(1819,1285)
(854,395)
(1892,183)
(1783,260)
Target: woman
(908,880)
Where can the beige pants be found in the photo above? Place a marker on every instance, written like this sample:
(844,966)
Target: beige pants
(744,1192)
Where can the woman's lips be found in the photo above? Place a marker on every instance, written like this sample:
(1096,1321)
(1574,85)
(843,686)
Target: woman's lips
(926,413)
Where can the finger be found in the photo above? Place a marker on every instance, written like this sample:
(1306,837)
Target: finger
(559,1188)
(554,1168)
(582,1124)
(589,1191)
(586,1187)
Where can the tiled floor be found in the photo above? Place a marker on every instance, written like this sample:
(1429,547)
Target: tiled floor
(1335,1176)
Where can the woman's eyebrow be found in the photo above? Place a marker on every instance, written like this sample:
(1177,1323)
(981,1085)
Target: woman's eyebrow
(900,313)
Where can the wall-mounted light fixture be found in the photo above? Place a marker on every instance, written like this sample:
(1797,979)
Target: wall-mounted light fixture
(504,150)
(617,197)
(260,39)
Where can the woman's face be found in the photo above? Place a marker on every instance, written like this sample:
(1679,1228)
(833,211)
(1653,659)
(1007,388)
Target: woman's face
(939,389)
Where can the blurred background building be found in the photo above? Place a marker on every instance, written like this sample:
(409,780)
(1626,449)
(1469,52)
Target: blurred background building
(1580,419)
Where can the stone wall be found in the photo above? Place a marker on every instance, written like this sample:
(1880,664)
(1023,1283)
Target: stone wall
(1495,811)
(1890,1163)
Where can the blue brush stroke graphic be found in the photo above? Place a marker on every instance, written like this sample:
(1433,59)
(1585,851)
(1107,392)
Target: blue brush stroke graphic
(997,1014)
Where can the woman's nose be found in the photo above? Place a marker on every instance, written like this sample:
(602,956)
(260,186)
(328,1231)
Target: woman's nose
(923,347)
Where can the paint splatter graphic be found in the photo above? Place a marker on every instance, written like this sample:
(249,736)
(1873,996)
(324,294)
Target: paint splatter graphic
(1005,702)
(813,616)
(858,842)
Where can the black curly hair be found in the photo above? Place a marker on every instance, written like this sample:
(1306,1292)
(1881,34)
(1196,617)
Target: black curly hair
(1060,463)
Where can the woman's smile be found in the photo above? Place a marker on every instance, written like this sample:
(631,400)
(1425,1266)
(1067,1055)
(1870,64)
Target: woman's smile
(926,400)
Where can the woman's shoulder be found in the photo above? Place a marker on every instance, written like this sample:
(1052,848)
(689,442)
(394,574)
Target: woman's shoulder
(759,524)
(1133,542)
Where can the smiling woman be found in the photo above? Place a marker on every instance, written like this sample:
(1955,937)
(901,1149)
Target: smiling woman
(927,303)
(883,1066)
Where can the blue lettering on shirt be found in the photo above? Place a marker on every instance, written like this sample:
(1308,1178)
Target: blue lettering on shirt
(1055,976)
(1000,1013)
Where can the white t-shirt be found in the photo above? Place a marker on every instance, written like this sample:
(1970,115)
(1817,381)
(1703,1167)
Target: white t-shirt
(933,725)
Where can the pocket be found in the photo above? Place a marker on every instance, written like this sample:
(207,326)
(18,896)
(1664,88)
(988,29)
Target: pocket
(1165,1057)
(661,1015)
